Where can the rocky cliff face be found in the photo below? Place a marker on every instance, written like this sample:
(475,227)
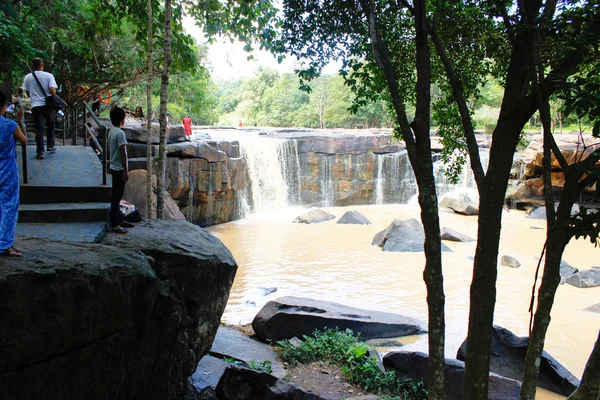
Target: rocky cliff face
(126,319)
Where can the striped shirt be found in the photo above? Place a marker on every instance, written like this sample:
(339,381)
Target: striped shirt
(116,139)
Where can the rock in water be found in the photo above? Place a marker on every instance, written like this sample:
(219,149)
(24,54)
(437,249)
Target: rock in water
(595,308)
(403,236)
(459,206)
(126,319)
(508,358)
(314,217)
(455,236)
(585,279)
(509,261)
(566,270)
(354,217)
(287,317)
(413,365)
(239,383)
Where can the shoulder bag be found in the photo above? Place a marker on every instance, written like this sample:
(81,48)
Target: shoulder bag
(52,101)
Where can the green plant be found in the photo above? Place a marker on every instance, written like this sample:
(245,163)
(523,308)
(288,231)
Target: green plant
(344,348)
(265,366)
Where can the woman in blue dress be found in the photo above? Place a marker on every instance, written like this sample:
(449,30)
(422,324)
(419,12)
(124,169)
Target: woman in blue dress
(10,132)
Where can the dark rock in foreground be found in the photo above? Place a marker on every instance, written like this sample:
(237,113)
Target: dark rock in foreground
(508,358)
(459,206)
(454,236)
(207,375)
(238,383)
(314,217)
(413,365)
(403,236)
(354,217)
(585,279)
(126,320)
(287,317)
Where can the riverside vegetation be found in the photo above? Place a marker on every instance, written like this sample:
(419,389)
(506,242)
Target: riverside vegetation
(345,349)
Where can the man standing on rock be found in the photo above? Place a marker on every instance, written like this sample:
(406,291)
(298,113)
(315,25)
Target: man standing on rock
(187,125)
(39,85)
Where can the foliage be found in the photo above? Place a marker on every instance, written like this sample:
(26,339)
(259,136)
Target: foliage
(345,349)
(265,366)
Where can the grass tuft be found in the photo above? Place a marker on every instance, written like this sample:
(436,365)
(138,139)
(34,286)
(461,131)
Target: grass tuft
(344,348)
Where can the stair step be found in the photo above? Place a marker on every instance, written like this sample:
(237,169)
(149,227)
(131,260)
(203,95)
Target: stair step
(34,194)
(64,212)
(77,232)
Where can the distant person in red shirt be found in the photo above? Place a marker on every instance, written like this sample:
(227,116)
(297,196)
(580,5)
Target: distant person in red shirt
(187,125)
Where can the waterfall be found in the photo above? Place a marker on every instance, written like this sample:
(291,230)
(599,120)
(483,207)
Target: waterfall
(327,185)
(380,179)
(272,172)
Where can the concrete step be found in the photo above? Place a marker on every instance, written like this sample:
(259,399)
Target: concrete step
(34,194)
(64,212)
(77,232)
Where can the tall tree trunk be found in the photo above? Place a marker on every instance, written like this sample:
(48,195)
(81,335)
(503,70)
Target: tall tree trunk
(149,160)
(589,389)
(515,112)
(164,91)
(419,152)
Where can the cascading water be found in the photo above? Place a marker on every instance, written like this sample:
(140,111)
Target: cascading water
(273,174)
(327,186)
(380,179)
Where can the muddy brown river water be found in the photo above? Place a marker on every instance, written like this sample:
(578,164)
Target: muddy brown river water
(336,262)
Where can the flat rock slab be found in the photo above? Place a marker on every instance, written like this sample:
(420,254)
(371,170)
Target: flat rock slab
(354,217)
(403,236)
(455,236)
(585,279)
(413,365)
(232,343)
(314,217)
(287,317)
(208,373)
(508,358)
(238,383)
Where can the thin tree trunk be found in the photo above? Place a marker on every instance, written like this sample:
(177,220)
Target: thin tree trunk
(164,90)
(149,160)
(589,389)
(419,151)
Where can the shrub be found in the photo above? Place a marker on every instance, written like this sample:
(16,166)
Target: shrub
(346,350)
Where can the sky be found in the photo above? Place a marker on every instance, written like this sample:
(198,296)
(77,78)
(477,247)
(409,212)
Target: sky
(229,60)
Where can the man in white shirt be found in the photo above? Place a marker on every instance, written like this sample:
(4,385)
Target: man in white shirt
(39,110)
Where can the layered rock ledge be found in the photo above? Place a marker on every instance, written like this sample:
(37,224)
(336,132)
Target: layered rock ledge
(127,319)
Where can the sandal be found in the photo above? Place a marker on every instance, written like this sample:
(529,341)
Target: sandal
(11,252)
(126,224)
(119,230)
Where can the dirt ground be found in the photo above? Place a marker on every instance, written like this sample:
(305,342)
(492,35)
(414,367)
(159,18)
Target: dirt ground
(326,381)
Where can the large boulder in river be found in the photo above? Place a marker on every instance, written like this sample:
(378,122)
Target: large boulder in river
(459,206)
(508,358)
(287,317)
(314,217)
(239,383)
(454,236)
(585,279)
(403,236)
(595,308)
(354,217)
(126,319)
(413,365)
(509,261)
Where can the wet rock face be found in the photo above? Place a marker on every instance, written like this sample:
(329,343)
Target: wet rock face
(126,319)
